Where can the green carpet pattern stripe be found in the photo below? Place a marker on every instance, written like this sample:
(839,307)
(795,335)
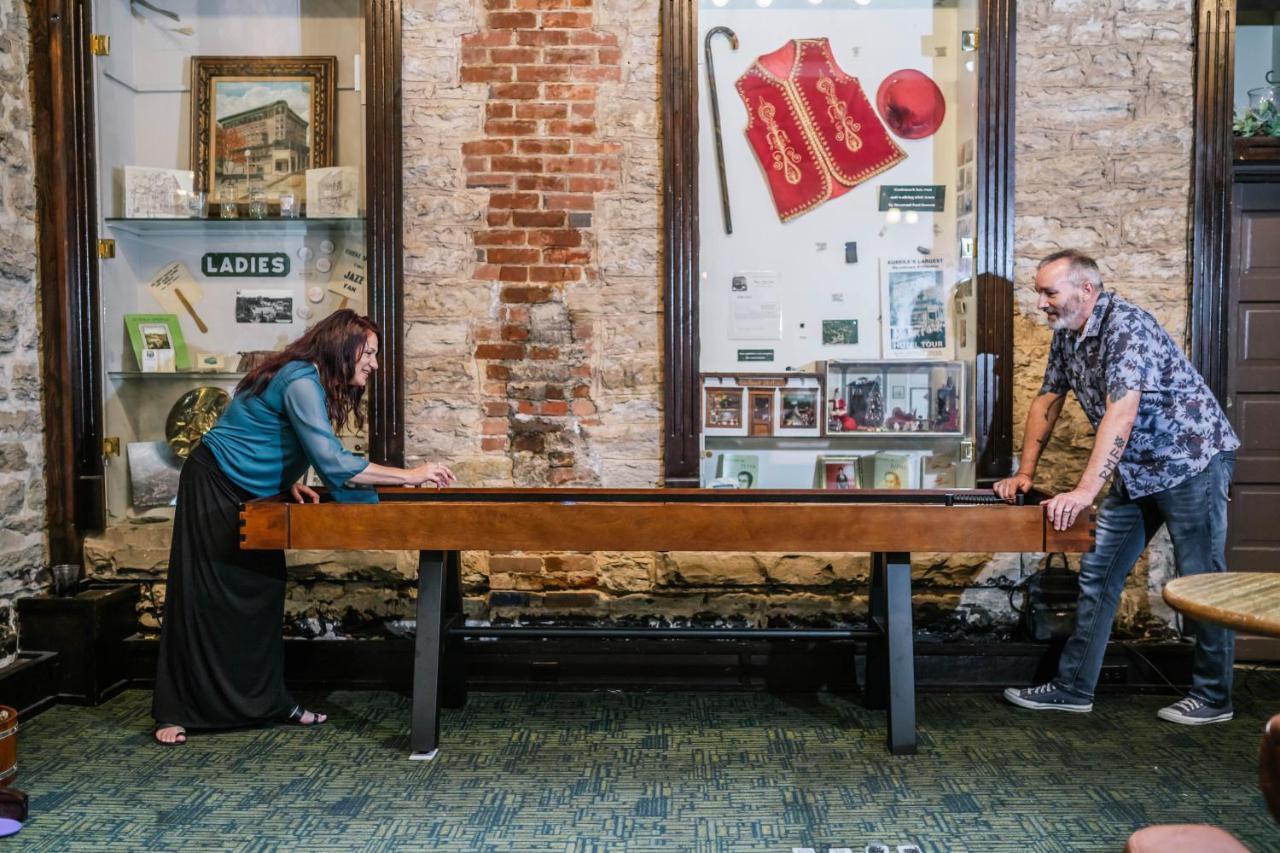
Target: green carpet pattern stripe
(596,772)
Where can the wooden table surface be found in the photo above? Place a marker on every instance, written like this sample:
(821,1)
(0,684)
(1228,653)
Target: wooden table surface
(1245,601)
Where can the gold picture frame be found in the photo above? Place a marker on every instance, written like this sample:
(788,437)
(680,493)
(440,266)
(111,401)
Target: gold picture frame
(260,122)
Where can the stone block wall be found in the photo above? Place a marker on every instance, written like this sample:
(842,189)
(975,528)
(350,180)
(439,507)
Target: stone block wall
(1105,111)
(23,550)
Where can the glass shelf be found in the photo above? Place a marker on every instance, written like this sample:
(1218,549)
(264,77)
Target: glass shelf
(177,374)
(146,227)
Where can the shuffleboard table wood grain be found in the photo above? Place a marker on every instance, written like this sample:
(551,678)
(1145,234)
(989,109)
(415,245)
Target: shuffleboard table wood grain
(889,524)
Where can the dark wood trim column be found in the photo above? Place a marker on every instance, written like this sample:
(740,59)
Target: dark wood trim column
(70,334)
(1211,190)
(384,225)
(680,230)
(994,264)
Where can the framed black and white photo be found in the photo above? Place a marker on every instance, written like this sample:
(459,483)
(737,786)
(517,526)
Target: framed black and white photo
(264,306)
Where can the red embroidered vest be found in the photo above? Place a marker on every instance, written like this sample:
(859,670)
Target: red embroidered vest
(814,131)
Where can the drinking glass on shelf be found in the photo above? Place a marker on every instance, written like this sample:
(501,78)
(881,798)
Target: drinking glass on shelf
(197,204)
(288,205)
(229,210)
(257,203)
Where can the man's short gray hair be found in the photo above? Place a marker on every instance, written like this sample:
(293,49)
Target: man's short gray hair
(1082,268)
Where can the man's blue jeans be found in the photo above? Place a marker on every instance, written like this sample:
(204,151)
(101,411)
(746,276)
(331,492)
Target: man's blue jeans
(1195,512)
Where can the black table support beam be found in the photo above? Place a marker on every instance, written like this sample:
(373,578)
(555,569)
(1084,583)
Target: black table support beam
(424,734)
(439,673)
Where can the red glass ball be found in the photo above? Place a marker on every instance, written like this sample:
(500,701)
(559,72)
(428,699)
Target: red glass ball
(911,104)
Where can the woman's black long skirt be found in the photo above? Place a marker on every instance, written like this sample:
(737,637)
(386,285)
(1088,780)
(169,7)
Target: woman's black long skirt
(221,646)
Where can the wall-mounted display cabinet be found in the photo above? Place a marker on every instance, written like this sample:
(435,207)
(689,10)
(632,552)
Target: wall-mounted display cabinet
(238,181)
(845,197)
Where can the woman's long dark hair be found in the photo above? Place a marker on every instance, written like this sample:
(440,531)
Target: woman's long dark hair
(333,345)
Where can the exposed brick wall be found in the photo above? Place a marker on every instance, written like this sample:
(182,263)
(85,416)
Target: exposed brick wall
(543,161)
(23,551)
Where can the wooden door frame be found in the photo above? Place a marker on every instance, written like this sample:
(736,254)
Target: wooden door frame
(993,265)
(66,176)
(1211,180)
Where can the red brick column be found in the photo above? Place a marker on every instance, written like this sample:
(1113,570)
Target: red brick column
(543,160)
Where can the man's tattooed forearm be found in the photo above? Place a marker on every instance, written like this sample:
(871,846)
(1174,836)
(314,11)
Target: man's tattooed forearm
(1118,393)
(1113,459)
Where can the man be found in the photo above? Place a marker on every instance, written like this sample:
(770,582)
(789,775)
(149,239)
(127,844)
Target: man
(1168,442)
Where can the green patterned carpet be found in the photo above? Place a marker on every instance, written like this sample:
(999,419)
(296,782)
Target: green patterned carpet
(594,772)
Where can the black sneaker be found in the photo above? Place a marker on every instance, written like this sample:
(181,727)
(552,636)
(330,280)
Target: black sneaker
(1047,697)
(1195,712)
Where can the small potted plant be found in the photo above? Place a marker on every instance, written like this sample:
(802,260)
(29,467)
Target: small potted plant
(1257,129)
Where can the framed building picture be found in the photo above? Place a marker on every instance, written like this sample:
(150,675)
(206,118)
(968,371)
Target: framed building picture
(259,122)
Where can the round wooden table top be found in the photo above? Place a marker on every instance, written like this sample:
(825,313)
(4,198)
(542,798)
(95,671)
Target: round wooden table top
(1245,601)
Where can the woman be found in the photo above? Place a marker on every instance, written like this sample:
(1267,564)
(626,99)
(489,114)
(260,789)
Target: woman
(221,648)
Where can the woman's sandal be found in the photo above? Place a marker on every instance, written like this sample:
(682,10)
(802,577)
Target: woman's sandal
(178,739)
(298,715)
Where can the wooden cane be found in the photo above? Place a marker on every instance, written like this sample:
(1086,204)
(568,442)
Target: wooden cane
(715,117)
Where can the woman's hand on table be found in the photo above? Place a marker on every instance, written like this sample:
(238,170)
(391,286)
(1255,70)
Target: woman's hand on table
(302,493)
(430,473)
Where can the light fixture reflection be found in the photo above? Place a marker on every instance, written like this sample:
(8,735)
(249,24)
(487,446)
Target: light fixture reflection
(893,215)
(863,2)
(764,4)
(720,3)
(912,217)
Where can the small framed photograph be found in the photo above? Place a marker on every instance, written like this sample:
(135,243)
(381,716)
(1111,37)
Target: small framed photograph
(722,410)
(260,122)
(158,344)
(837,473)
(839,332)
(760,406)
(333,193)
(264,306)
(157,193)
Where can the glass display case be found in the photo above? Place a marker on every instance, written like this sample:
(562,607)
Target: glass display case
(231,198)
(837,186)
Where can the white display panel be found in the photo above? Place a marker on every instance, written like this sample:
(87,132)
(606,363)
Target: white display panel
(789,296)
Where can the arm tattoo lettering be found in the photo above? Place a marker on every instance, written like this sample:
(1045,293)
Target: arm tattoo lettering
(1112,460)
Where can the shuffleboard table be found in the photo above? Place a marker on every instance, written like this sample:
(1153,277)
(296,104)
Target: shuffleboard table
(441,523)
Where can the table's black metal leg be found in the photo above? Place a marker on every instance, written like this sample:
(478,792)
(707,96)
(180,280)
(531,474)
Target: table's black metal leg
(901,654)
(876,688)
(424,732)
(453,688)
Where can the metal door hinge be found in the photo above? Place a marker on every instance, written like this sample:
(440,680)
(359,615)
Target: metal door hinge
(106,249)
(100,45)
(966,450)
(969,40)
(111,446)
